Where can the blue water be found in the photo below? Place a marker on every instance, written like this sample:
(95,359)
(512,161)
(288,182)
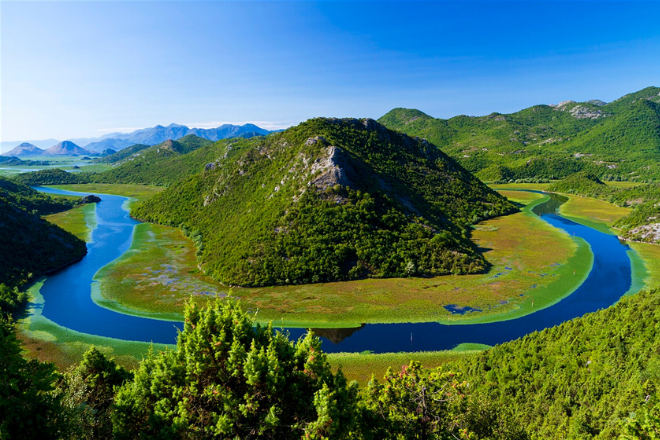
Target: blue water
(68,302)
(67,293)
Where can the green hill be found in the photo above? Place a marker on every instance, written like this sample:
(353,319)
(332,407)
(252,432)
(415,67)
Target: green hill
(123,154)
(160,164)
(155,165)
(583,184)
(579,380)
(32,246)
(549,141)
(328,200)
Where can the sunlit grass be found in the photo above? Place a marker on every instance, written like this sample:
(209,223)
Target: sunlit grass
(594,213)
(79,221)
(624,184)
(650,255)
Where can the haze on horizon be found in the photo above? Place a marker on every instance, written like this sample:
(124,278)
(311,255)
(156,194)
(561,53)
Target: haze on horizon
(84,69)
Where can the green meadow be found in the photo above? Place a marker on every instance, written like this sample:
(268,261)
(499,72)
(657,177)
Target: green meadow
(79,221)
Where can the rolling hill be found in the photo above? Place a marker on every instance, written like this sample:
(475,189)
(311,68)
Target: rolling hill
(32,246)
(330,199)
(621,139)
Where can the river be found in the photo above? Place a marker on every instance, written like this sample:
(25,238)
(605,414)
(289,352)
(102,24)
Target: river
(68,301)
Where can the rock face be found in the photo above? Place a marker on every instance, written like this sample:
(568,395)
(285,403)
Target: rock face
(582,112)
(25,149)
(90,199)
(334,169)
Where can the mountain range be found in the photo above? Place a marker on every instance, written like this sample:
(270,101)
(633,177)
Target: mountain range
(149,136)
(619,140)
(65,148)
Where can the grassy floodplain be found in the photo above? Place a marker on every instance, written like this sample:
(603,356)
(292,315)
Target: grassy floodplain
(48,341)
(361,366)
(79,221)
(159,272)
(163,267)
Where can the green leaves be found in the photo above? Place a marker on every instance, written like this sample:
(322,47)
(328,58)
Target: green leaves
(229,379)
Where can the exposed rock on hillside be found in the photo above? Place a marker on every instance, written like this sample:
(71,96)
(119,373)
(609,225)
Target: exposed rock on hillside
(330,199)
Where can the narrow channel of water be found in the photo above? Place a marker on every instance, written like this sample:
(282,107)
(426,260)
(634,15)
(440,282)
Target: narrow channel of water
(67,295)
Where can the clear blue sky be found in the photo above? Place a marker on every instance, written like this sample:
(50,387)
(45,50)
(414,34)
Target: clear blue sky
(72,69)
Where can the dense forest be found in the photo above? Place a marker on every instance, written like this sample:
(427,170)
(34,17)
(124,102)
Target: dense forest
(329,200)
(621,139)
(30,245)
(592,377)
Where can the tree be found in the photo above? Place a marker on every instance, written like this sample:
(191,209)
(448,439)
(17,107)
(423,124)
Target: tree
(88,392)
(27,408)
(229,379)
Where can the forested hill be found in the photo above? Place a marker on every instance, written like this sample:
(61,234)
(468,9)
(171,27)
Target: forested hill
(160,164)
(32,246)
(330,199)
(155,165)
(580,380)
(620,139)
(642,224)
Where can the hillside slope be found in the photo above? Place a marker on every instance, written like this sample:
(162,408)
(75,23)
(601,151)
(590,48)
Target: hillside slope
(153,165)
(549,141)
(329,200)
(32,246)
(579,380)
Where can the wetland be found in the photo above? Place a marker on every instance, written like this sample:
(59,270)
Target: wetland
(593,272)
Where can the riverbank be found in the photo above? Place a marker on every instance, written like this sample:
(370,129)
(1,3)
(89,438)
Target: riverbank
(488,229)
(158,274)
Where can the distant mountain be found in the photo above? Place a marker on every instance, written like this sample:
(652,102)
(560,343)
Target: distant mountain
(158,134)
(152,136)
(66,148)
(42,143)
(25,149)
(108,144)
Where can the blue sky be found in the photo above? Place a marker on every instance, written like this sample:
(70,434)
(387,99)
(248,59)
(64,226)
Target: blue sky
(73,69)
